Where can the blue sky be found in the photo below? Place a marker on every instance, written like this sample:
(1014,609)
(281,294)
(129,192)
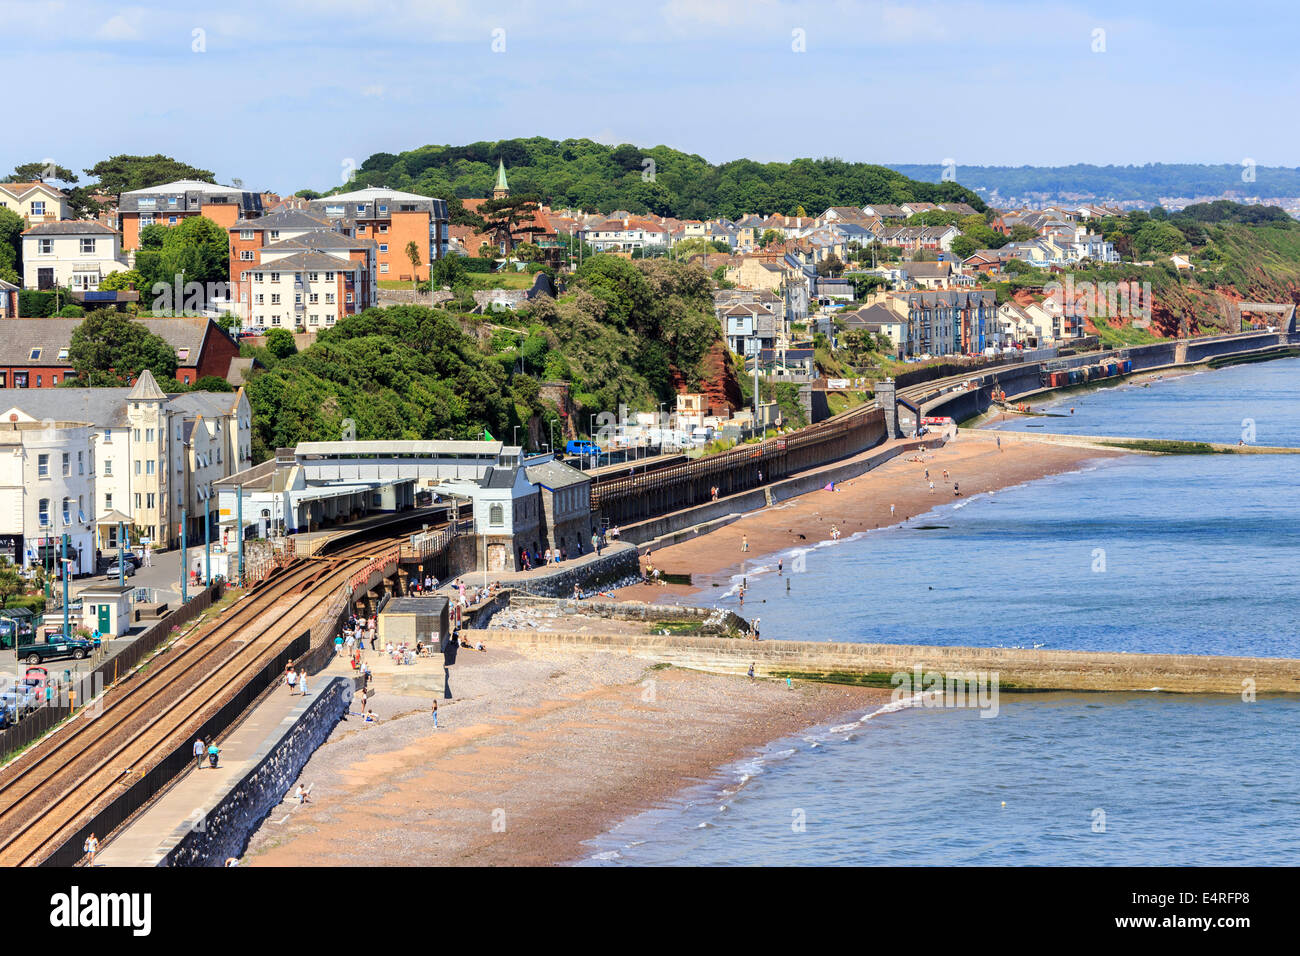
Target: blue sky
(283,94)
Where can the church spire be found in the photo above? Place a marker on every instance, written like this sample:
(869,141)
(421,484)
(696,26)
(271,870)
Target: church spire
(502,189)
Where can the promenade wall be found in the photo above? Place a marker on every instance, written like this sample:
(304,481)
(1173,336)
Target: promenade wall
(225,829)
(873,664)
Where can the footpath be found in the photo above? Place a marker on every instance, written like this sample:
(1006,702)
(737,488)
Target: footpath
(186,804)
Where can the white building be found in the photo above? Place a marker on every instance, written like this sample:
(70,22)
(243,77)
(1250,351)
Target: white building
(75,253)
(311,289)
(47,489)
(156,454)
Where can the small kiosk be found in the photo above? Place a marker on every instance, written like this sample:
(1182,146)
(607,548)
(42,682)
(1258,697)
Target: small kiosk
(106,609)
(410,619)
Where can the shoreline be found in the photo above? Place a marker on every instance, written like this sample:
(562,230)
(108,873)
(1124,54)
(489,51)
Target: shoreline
(544,753)
(975,460)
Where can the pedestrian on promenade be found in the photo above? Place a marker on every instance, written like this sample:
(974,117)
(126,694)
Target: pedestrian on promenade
(198,753)
(435,713)
(302,684)
(291,679)
(744,542)
(214,752)
(751,670)
(91,847)
(595,543)
(760,476)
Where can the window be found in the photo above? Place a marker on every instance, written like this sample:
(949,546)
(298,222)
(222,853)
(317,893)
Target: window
(275,234)
(149,500)
(148,467)
(257,276)
(275,320)
(33,355)
(87,247)
(148,434)
(137,466)
(383,247)
(383,229)
(137,434)
(329,277)
(43,513)
(171,220)
(246,234)
(38,381)
(63,355)
(108,467)
(246,255)
(38,207)
(20,379)
(67,511)
(313,276)
(81,463)
(42,466)
(496,516)
(45,246)
(383,267)
(349,297)
(108,501)
(313,298)
(182,355)
(361,207)
(361,228)
(108,436)
(275,298)
(314,319)
(259,299)
(171,200)
(297,298)
(329,298)
(67,465)
(145,219)
(275,277)
(383,209)
(137,500)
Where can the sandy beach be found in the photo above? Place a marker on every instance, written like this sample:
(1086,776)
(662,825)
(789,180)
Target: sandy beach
(974,461)
(538,755)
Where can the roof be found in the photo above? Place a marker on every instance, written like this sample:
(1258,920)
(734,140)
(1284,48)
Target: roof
(70,227)
(556,474)
(501,176)
(19,336)
(284,219)
(182,186)
(433,605)
(372,193)
(498,477)
(19,190)
(146,388)
(320,239)
(104,407)
(312,260)
(483,449)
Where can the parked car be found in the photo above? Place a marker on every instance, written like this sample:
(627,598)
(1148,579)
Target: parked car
(582,447)
(114,570)
(53,646)
(19,698)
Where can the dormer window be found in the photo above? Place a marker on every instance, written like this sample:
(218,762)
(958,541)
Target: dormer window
(182,355)
(34,355)
(63,355)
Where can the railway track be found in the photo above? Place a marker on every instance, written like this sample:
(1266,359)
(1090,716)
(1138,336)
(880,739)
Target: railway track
(54,789)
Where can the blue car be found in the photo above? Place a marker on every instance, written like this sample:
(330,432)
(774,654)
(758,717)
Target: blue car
(582,447)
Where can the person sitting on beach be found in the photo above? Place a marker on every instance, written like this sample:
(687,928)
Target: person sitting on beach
(480,647)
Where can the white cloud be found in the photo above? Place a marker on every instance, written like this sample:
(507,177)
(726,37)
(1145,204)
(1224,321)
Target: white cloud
(124,26)
(375,89)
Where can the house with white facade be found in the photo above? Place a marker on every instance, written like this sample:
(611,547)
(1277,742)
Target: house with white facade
(47,490)
(309,289)
(73,253)
(36,202)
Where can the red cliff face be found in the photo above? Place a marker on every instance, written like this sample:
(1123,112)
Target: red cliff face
(718,380)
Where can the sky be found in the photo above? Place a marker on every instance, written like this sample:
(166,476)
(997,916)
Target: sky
(285,95)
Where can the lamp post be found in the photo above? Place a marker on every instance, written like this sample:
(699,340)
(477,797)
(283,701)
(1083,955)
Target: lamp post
(239,529)
(185,560)
(121,555)
(207,541)
(67,630)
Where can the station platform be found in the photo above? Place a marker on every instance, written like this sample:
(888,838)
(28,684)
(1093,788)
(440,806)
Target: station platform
(308,543)
(147,839)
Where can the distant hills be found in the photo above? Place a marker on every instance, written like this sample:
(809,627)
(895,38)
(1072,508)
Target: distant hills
(580,173)
(1147,184)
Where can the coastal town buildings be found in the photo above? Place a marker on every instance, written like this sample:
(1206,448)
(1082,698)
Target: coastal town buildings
(47,490)
(393,219)
(138,454)
(74,254)
(172,203)
(36,202)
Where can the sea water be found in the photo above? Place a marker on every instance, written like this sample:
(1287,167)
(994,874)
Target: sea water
(1172,554)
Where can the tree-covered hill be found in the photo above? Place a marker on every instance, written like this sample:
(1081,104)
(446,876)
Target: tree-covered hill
(583,174)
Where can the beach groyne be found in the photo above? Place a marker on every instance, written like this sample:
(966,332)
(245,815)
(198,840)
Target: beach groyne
(875,664)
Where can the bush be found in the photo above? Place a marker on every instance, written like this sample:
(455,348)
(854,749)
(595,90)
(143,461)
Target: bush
(72,312)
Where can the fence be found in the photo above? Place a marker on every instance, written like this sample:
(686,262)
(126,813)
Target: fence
(635,498)
(430,543)
(153,781)
(89,685)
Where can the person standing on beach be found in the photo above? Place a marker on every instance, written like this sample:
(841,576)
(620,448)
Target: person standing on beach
(999,443)
(751,670)
(891,511)
(932,487)
(435,713)
(780,565)
(744,542)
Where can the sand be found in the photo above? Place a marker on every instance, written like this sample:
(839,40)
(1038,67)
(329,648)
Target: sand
(974,462)
(542,753)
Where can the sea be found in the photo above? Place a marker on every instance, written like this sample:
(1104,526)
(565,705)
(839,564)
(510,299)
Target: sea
(1188,554)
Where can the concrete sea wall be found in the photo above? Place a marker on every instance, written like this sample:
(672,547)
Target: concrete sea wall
(224,830)
(874,663)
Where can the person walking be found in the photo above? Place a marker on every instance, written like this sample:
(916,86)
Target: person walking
(751,670)
(291,679)
(214,752)
(891,511)
(91,847)
(435,713)
(744,542)
(932,487)
(302,684)
(199,750)
(595,543)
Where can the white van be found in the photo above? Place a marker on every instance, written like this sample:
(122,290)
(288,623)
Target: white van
(702,435)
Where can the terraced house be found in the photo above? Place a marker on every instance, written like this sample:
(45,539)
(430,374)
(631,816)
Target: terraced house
(146,458)
(944,321)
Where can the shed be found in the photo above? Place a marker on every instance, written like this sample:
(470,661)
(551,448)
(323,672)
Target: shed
(107,609)
(410,619)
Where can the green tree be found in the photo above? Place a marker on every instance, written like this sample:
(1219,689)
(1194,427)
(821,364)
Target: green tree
(123,173)
(108,348)
(963,247)
(11,582)
(42,171)
(1158,238)
(11,246)
(447,271)
(413,254)
(1023,233)
(830,266)
(280,343)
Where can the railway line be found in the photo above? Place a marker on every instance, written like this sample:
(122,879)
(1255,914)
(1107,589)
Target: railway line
(56,787)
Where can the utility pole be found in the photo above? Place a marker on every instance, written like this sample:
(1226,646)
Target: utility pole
(239,529)
(121,555)
(67,630)
(207,541)
(185,560)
